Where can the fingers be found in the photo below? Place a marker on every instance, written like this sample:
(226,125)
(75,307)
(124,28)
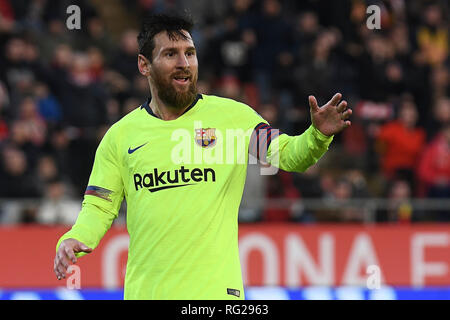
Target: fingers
(71,255)
(81,247)
(66,254)
(346,114)
(336,98)
(61,264)
(313,103)
(341,106)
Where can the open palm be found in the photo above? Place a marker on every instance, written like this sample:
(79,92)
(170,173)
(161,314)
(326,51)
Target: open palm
(332,117)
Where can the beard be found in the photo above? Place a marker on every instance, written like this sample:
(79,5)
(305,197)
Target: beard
(169,94)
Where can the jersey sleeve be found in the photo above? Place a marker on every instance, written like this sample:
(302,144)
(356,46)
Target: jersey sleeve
(103,196)
(290,153)
(298,153)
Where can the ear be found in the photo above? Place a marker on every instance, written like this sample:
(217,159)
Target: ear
(143,65)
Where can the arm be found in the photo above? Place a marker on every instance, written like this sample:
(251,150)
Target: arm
(100,207)
(298,153)
(91,225)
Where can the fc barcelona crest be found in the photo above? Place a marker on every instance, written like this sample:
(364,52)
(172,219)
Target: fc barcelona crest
(206,138)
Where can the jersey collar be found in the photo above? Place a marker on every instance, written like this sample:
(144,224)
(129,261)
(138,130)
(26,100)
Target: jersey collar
(146,106)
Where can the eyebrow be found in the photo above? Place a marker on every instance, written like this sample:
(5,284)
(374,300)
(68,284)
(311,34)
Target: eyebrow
(190,48)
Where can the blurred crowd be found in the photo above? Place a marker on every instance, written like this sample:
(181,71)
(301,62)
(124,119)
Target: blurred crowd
(61,89)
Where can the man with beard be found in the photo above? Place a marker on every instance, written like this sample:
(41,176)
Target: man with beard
(182,177)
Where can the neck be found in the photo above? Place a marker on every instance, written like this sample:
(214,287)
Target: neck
(165,112)
(162,110)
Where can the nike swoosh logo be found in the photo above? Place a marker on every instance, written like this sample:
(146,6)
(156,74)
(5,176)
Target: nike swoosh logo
(169,187)
(130,151)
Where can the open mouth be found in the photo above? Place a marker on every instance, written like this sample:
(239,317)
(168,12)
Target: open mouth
(181,79)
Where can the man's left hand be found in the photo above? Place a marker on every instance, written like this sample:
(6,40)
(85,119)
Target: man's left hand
(332,117)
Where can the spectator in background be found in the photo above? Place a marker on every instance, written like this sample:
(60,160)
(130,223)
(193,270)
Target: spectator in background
(48,106)
(3,129)
(399,202)
(7,19)
(440,115)
(56,35)
(440,82)
(61,59)
(229,86)
(32,122)
(434,168)
(94,35)
(308,183)
(57,207)
(96,63)
(400,142)
(432,37)
(319,74)
(280,187)
(46,170)
(4,106)
(125,59)
(18,68)
(58,148)
(28,131)
(272,37)
(139,88)
(285,86)
(229,52)
(16,179)
(305,31)
(373,68)
(81,97)
(338,193)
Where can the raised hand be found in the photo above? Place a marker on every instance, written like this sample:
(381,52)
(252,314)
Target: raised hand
(66,254)
(332,117)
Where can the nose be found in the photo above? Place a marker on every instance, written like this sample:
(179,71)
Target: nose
(182,61)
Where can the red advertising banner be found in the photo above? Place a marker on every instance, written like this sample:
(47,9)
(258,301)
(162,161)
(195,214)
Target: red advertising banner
(284,254)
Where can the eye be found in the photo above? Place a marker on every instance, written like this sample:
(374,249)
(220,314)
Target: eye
(190,53)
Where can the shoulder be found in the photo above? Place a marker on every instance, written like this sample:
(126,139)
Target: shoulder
(229,105)
(127,120)
(118,130)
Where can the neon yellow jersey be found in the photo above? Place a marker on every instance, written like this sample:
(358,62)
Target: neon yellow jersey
(183,181)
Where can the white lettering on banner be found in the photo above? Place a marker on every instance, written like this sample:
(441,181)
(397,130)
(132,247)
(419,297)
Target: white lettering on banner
(288,261)
(362,254)
(299,259)
(419,267)
(110,260)
(262,243)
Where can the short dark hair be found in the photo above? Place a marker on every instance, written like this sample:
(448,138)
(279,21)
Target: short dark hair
(156,23)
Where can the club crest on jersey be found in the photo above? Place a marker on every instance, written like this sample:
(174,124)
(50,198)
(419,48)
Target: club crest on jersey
(206,138)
